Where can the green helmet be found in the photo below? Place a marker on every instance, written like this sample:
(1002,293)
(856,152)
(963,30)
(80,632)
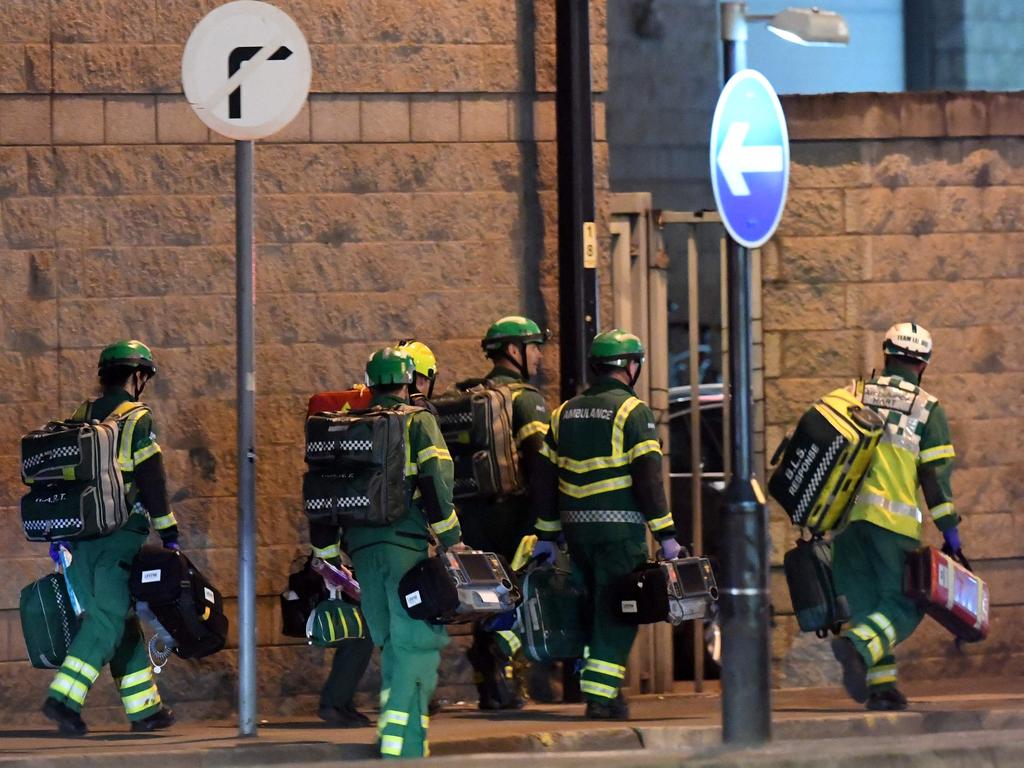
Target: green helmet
(511,329)
(128,353)
(388,367)
(617,348)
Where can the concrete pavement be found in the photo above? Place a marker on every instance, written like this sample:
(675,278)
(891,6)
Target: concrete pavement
(664,728)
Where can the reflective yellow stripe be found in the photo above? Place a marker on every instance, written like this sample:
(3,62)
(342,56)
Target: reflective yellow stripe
(606,668)
(547,453)
(88,671)
(68,473)
(533,428)
(598,689)
(124,451)
(619,425)
(424,722)
(394,717)
(433,452)
(135,678)
(592,489)
(359,622)
(164,522)
(589,465)
(452,521)
(660,523)
(548,526)
(886,674)
(325,552)
(67,686)
(146,452)
(942,510)
(514,643)
(882,622)
(81,412)
(643,448)
(936,453)
(555,419)
(870,637)
(391,745)
(330,626)
(344,624)
(140,701)
(410,465)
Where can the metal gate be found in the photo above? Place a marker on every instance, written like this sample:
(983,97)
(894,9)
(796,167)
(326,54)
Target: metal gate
(658,255)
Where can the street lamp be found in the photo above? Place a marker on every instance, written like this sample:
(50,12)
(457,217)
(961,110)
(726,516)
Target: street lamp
(746,700)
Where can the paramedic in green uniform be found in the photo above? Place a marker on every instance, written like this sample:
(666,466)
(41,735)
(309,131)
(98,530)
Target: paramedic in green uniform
(513,344)
(110,634)
(410,649)
(884,523)
(601,487)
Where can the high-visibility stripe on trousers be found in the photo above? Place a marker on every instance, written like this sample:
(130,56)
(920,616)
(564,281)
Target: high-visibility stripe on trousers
(602,678)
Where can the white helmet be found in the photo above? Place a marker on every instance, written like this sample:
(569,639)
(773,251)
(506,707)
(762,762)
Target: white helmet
(908,340)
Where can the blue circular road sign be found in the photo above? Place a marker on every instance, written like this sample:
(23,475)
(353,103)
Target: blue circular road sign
(749,158)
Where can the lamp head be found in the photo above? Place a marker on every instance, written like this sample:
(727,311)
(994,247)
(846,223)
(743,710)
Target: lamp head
(810,26)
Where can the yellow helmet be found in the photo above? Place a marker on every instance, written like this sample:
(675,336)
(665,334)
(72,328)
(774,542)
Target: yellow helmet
(422,357)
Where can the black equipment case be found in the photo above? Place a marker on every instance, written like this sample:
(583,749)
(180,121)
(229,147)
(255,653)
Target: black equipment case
(306,590)
(817,605)
(455,588)
(183,601)
(670,590)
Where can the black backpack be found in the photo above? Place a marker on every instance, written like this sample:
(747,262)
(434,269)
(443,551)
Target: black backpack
(356,462)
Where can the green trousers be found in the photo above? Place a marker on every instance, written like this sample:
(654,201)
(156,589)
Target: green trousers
(867,563)
(98,574)
(602,562)
(347,668)
(410,650)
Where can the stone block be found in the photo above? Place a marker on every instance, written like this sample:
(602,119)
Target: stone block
(984,443)
(824,259)
(384,118)
(13,172)
(144,220)
(334,118)
(24,21)
(170,271)
(827,164)
(483,118)
(97,21)
(810,354)
(973,302)
(177,123)
(843,116)
(787,399)
(112,68)
(913,210)
(1005,113)
(950,257)
(131,120)
(921,117)
(297,131)
(28,222)
(25,120)
(435,118)
(77,120)
(813,212)
(979,396)
(27,363)
(531,119)
(796,306)
(966,115)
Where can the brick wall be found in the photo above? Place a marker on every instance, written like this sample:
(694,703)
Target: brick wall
(909,207)
(414,196)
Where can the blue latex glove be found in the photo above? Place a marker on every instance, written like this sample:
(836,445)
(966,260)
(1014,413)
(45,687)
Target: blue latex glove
(670,549)
(172,545)
(545,550)
(952,538)
(501,623)
(55,547)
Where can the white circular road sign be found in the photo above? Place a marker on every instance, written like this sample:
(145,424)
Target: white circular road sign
(246,69)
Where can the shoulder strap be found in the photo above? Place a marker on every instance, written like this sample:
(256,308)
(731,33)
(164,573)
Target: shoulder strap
(124,409)
(82,411)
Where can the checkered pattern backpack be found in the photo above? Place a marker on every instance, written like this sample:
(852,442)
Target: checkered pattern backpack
(357,465)
(73,471)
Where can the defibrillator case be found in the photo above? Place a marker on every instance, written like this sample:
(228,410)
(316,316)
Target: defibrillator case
(824,460)
(334,621)
(675,591)
(819,608)
(185,603)
(944,586)
(456,588)
(476,422)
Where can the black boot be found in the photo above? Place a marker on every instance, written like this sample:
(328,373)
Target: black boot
(855,670)
(891,700)
(163,718)
(608,709)
(69,722)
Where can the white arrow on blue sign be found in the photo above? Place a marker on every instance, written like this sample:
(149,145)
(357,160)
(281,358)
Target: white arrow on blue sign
(749,158)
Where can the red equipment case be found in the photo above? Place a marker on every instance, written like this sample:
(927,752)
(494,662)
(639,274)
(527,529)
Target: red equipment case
(944,586)
(355,399)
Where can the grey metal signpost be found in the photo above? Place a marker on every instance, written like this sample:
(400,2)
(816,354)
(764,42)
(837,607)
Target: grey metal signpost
(246,72)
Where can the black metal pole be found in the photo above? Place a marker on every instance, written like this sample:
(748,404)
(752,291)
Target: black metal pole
(746,656)
(577,256)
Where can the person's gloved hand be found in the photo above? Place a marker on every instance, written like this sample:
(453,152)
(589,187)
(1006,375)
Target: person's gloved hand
(55,549)
(172,545)
(545,550)
(952,538)
(670,549)
(460,546)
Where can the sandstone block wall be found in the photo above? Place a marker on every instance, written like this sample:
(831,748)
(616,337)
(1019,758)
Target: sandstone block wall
(909,207)
(414,196)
